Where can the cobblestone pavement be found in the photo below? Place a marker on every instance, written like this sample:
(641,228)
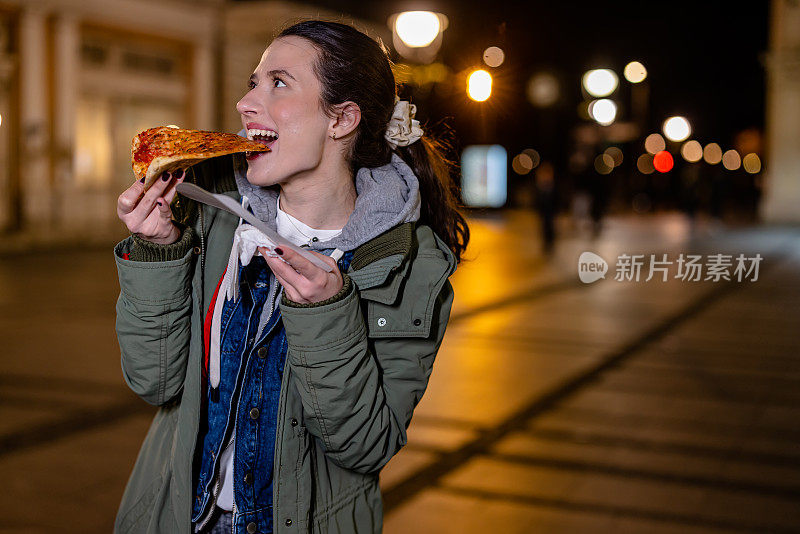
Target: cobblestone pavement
(554,405)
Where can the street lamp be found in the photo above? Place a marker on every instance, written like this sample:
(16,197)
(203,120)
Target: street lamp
(417,35)
(635,72)
(479,85)
(417,28)
(677,129)
(600,82)
(604,111)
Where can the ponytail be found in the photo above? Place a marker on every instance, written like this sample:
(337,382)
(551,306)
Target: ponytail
(439,206)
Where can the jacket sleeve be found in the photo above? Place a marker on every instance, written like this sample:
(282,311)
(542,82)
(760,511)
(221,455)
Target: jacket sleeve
(153,323)
(359,391)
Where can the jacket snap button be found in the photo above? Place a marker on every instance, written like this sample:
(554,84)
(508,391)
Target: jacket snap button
(248,478)
(288,522)
(262,352)
(417,322)
(254,413)
(382,321)
(251,528)
(196,250)
(294,421)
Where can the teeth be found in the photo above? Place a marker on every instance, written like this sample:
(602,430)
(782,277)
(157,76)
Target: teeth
(253,133)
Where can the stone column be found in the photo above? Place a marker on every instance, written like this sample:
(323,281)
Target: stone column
(66,64)
(781,202)
(202,87)
(34,122)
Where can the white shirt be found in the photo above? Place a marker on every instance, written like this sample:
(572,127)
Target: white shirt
(298,233)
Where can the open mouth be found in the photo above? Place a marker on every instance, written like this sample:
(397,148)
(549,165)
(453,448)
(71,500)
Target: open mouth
(266,137)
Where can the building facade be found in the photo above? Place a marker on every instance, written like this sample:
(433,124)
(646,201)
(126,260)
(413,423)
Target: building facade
(78,79)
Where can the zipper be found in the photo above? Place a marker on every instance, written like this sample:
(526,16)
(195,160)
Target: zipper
(202,239)
(210,513)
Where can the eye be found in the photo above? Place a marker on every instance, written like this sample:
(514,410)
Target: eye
(278,81)
(251,84)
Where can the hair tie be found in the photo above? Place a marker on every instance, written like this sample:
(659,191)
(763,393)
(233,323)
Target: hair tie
(403,129)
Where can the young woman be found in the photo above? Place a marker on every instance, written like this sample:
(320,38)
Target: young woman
(284,388)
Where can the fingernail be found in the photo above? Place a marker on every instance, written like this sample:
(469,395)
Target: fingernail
(165,176)
(142,180)
(159,203)
(179,174)
(278,251)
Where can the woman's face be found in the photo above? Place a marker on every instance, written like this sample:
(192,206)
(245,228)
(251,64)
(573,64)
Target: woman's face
(282,110)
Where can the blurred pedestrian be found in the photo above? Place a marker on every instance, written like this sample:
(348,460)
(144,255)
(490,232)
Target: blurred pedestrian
(546,203)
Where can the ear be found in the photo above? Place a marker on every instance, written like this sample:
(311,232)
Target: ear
(346,120)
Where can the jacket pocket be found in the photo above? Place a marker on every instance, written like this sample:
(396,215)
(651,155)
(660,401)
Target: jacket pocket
(411,315)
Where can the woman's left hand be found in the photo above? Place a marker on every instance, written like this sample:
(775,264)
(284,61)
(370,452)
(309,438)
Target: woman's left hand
(303,281)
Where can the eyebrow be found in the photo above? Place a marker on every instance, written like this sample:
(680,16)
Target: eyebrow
(254,78)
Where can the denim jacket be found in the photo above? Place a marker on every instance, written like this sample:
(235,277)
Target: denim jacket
(251,373)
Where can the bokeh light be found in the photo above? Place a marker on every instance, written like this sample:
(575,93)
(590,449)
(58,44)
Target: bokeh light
(534,155)
(731,160)
(522,164)
(712,154)
(692,151)
(600,82)
(677,128)
(654,143)
(479,85)
(635,72)
(752,163)
(616,155)
(604,111)
(417,28)
(542,89)
(645,164)
(494,56)
(663,161)
(604,164)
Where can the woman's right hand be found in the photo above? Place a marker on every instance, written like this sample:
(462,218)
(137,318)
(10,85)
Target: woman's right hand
(147,213)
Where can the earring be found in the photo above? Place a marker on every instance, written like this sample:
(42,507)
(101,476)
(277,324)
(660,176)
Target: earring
(333,136)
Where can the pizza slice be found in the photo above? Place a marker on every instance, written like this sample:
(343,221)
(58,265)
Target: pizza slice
(168,148)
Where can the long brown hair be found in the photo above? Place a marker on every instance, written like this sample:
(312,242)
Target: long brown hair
(353,67)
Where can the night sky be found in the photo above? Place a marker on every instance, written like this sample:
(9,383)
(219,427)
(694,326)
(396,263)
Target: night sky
(704,61)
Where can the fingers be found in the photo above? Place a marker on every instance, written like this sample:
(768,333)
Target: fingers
(178,177)
(302,265)
(156,190)
(290,291)
(286,272)
(148,213)
(129,198)
(163,208)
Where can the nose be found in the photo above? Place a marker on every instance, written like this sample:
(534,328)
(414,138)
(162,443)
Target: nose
(247,105)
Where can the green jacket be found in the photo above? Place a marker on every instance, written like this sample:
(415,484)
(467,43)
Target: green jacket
(356,367)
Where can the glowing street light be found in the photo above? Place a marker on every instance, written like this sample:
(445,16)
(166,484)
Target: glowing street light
(692,151)
(479,85)
(712,154)
(677,128)
(600,82)
(417,28)
(635,72)
(604,111)
(752,163)
(494,56)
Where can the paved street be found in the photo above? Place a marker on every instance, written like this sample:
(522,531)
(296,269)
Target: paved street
(554,405)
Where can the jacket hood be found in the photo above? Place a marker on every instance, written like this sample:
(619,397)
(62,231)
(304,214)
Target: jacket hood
(387,196)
